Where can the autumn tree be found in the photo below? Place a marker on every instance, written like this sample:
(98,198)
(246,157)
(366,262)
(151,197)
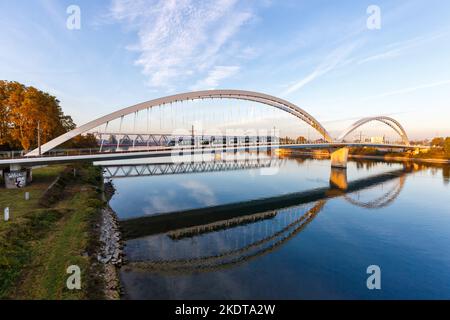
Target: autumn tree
(4,115)
(437,142)
(22,108)
(447,147)
(13,93)
(82,142)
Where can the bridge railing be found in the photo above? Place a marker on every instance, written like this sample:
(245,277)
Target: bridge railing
(9,155)
(290,142)
(66,152)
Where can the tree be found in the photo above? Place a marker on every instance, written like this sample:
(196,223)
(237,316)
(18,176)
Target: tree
(81,142)
(4,115)
(22,108)
(447,147)
(14,96)
(437,142)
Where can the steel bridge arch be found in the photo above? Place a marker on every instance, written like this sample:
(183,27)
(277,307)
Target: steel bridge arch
(385,200)
(206,94)
(394,124)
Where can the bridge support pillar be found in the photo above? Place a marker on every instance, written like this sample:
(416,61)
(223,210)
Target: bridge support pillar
(338,179)
(17,177)
(339,158)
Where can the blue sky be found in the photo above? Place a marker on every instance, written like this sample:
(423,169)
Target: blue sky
(319,55)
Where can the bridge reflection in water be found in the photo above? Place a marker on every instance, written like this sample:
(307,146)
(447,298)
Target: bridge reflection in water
(239,232)
(184,167)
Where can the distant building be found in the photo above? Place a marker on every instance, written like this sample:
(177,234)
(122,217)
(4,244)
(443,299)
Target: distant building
(377,140)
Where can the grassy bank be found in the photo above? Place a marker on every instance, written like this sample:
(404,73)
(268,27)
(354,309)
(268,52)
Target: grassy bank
(429,156)
(432,154)
(44,237)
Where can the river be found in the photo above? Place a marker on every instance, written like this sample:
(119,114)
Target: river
(278,229)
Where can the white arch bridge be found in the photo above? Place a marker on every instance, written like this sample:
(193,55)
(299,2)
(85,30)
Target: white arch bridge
(48,152)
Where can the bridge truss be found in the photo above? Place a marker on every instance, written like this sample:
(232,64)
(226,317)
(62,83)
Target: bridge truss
(116,141)
(157,169)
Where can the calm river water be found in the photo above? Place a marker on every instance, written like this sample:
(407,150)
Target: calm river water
(282,231)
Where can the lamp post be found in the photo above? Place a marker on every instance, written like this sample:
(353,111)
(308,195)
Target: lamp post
(39,136)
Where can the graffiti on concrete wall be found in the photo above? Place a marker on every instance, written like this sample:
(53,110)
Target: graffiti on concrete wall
(16,179)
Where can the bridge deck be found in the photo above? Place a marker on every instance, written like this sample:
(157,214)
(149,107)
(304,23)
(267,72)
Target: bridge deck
(167,152)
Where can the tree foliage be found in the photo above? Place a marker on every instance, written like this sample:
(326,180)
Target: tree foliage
(22,108)
(447,147)
(437,142)
(82,142)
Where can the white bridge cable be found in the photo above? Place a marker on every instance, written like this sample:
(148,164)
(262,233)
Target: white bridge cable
(251,112)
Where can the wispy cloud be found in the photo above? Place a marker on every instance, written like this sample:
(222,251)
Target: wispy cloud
(399,48)
(338,57)
(408,90)
(180,40)
(215,76)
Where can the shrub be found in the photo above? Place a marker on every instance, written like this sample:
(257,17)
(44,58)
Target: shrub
(447,146)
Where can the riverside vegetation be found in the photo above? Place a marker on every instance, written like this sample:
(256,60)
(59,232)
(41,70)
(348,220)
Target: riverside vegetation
(57,227)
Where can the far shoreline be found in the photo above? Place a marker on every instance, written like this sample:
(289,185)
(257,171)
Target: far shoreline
(371,157)
(400,159)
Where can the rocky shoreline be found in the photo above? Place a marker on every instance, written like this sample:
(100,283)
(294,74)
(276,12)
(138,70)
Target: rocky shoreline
(111,248)
(111,251)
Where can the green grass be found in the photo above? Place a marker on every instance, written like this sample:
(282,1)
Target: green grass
(40,243)
(15,198)
(16,248)
(68,241)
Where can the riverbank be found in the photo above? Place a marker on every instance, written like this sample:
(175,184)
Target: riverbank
(111,250)
(58,227)
(400,159)
(387,157)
